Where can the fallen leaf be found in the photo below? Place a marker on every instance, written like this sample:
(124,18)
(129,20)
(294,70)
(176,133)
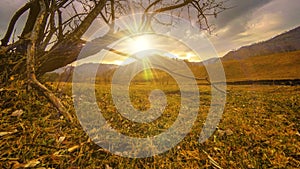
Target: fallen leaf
(57,153)
(229,132)
(17,113)
(61,139)
(8,132)
(32,163)
(107,166)
(221,132)
(217,149)
(73,148)
(9,159)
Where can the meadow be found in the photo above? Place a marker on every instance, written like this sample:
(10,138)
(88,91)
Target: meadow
(260,128)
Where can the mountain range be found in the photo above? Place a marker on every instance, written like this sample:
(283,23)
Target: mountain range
(286,42)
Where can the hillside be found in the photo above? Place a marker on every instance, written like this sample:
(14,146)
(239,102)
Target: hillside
(279,66)
(88,68)
(286,42)
(268,67)
(274,59)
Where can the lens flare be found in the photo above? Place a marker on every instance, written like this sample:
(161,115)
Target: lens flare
(139,43)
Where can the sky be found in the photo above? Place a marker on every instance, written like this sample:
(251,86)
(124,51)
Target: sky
(246,22)
(250,21)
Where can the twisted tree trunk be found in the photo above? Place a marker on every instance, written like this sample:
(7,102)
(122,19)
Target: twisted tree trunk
(30,62)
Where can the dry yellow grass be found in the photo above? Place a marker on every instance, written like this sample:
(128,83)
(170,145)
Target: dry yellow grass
(259,129)
(269,67)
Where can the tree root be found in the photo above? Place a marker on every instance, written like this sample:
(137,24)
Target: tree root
(31,53)
(52,98)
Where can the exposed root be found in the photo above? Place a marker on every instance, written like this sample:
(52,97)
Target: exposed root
(31,52)
(51,97)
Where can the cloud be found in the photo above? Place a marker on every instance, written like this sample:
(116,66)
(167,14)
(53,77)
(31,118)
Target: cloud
(260,28)
(253,21)
(234,20)
(248,21)
(238,9)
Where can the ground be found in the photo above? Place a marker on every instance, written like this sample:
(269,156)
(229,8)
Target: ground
(260,128)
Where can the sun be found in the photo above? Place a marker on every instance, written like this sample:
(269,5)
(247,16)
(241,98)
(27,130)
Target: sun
(189,55)
(139,43)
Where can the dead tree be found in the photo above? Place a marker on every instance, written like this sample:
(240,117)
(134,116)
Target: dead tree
(51,37)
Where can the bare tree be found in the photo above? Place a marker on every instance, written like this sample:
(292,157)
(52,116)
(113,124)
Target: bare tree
(51,37)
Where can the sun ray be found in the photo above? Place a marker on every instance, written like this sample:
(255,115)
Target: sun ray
(148,75)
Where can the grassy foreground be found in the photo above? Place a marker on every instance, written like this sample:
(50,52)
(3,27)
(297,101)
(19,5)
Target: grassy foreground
(260,128)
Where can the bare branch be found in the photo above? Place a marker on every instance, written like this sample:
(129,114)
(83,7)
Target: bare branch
(151,5)
(60,24)
(13,21)
(172,7)
(112,9)
(81,29)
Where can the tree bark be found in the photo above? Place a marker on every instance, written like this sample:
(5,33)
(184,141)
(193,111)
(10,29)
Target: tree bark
(32,17)
(30,62)
(66,51)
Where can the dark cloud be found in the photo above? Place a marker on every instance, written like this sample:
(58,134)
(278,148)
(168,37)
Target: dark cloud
(252,21)
(238,9)
(235,19)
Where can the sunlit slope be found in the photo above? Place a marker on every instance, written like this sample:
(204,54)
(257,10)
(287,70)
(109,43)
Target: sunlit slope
(268,67)
(285,42)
